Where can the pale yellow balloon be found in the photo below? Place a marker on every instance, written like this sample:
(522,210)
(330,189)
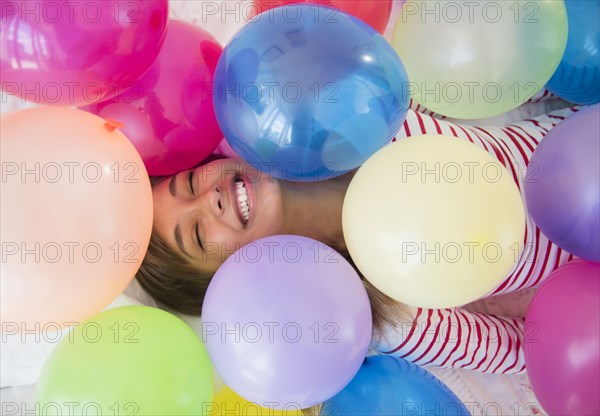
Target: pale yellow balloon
(228,402)
(434,221)
(76,216)
(472,60)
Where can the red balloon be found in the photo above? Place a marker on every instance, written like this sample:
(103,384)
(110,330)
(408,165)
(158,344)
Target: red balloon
(562,340)
(168,114)
(376,13)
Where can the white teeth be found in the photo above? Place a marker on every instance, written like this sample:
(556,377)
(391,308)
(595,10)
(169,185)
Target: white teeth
(242,197)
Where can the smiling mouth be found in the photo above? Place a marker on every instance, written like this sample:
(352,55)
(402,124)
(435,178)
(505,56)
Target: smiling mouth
(243,200)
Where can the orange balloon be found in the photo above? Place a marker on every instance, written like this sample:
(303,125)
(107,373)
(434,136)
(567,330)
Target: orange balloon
(76,216)
(375,13)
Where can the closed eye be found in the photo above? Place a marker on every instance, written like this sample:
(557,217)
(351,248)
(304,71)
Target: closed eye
(191,181)
(198,239)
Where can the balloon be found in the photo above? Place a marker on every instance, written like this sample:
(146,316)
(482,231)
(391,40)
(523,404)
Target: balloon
(562,186)
(562,340)
(287,321)
(227,402)
(76,216)
(577,78)
(128,360)
(77,53)
(433,221)
(168,114)
(375,13)
(310,98)
(475,60)
(392,386)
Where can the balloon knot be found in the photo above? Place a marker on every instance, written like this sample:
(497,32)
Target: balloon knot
(111,124)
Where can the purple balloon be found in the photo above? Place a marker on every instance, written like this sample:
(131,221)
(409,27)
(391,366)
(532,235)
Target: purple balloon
(287,322)
(78,52)
(562,340)
(168,113)
(562,186)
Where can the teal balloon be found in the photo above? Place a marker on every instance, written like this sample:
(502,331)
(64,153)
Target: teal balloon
(306,93)
(577,78)
(132,360)
(390,386)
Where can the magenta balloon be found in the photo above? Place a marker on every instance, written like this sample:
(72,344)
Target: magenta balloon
(562,340)
(286,320)
(78,52)
(168,114)
(562,186)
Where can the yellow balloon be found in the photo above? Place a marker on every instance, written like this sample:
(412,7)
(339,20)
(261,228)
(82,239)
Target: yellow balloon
(228,402)
(473,60)
(433,221)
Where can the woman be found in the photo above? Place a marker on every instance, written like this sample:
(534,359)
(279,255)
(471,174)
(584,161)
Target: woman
(204,215)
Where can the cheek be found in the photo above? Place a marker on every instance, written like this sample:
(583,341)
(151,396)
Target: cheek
(270,207)
(271,226)
(226,241)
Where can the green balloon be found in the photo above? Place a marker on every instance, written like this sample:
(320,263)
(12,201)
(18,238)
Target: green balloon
(133,360)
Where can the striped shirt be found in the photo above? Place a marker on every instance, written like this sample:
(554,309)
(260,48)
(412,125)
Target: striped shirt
(454,337)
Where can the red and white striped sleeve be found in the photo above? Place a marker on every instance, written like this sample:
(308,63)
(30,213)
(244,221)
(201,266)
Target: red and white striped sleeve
(455,337)
(458,339)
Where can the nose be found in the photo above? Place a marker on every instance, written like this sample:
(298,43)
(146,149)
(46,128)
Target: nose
(210,200)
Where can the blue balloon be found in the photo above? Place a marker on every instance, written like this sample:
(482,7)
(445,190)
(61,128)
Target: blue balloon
(306,92)
(577,78)
(391,386)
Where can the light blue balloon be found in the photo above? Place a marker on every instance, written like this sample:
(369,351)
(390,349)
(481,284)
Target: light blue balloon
(306,93)
(577,78)
(391,386)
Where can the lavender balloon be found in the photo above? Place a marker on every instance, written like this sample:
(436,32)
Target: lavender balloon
(287,322)
(562,185)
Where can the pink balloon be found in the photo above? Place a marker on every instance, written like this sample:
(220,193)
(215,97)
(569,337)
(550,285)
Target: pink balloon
(562,340)
(78,52)
(168,114)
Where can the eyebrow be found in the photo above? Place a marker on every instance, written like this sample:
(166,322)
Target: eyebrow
(172,189)
(179,240)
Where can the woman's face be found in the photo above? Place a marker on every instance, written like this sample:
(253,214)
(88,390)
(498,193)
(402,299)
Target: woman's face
(209,212)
